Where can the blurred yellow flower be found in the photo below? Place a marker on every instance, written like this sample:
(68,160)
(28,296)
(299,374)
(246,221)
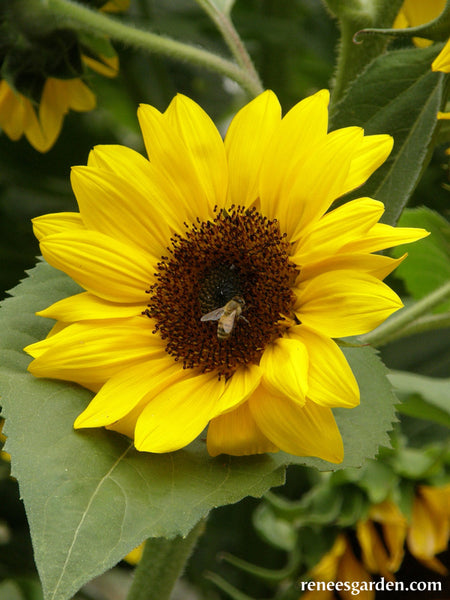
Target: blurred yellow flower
(419,12)
(35,105)
(382,537)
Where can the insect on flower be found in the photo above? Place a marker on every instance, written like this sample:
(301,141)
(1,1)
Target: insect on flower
(227,316)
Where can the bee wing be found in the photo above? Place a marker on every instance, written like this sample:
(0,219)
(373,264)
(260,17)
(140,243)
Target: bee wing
(214,315)
(227,322)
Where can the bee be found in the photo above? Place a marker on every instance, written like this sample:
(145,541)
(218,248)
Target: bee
(227,316)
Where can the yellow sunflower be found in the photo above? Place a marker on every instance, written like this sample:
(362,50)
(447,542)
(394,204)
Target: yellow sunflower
(35,105)
(339,571)
(418,12)
(216,279)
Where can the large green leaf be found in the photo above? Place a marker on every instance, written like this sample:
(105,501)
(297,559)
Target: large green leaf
(397,94)
(428,264)
(90,496)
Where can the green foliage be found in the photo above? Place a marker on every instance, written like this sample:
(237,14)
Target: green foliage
(92,485)
(428,263)
(399,95)
(90,497)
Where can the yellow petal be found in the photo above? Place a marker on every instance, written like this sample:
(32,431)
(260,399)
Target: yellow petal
(345,303)
(246,142)
(125,389)
(330,379)
(236,433)
(442,61)
(106,267)
(394,531)
(429,531)
(371,154)
(56,223)
(52,108)
(374,264)
(382,236)
(204,145)
(177,415)
(111,204)
(108,66)
(12,111)
(353,572)
(95,353)
(168,153)
(319,180)
(337,228)
(308,430)
(301,130)
(240,386)
(285,368)
(161,197)
(87,307)
(374,553)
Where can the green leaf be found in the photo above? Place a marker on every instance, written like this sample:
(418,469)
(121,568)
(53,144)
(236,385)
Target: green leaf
(90,496)
(425,397)
(274,530)
(428,264)
(397,94)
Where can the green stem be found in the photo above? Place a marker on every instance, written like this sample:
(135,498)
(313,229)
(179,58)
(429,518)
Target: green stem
(232,39)
(161,564)
(407,319)
(72,12)
(354,57)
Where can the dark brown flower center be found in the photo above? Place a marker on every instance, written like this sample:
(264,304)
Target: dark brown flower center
(223,292)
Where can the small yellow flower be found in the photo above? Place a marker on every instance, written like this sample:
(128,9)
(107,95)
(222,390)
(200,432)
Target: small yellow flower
(160,244)
(35,105)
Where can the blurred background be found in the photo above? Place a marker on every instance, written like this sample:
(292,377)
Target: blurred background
(293,45)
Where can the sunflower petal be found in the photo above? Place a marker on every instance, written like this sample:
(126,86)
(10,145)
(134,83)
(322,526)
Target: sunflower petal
(330,379)
(236,433)
(125,389)
(285,368)
(87,307)
(112,205)
(177,415)
(170,156)
(240,387)
(345,303)
(371,154)
(301,130)
(378,265)
(82,352)
(56,223)
(246,142)
(204,144)
(106,267)
(337,228)
(382,236)
(308,430)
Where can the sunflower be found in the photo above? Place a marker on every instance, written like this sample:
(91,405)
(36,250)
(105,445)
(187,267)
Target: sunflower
(216,279)
(42,75)
(339,570)
(418,12)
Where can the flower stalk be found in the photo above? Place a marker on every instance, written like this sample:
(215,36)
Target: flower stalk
(232,38)
(72,12)
(162,562)
(407,321)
